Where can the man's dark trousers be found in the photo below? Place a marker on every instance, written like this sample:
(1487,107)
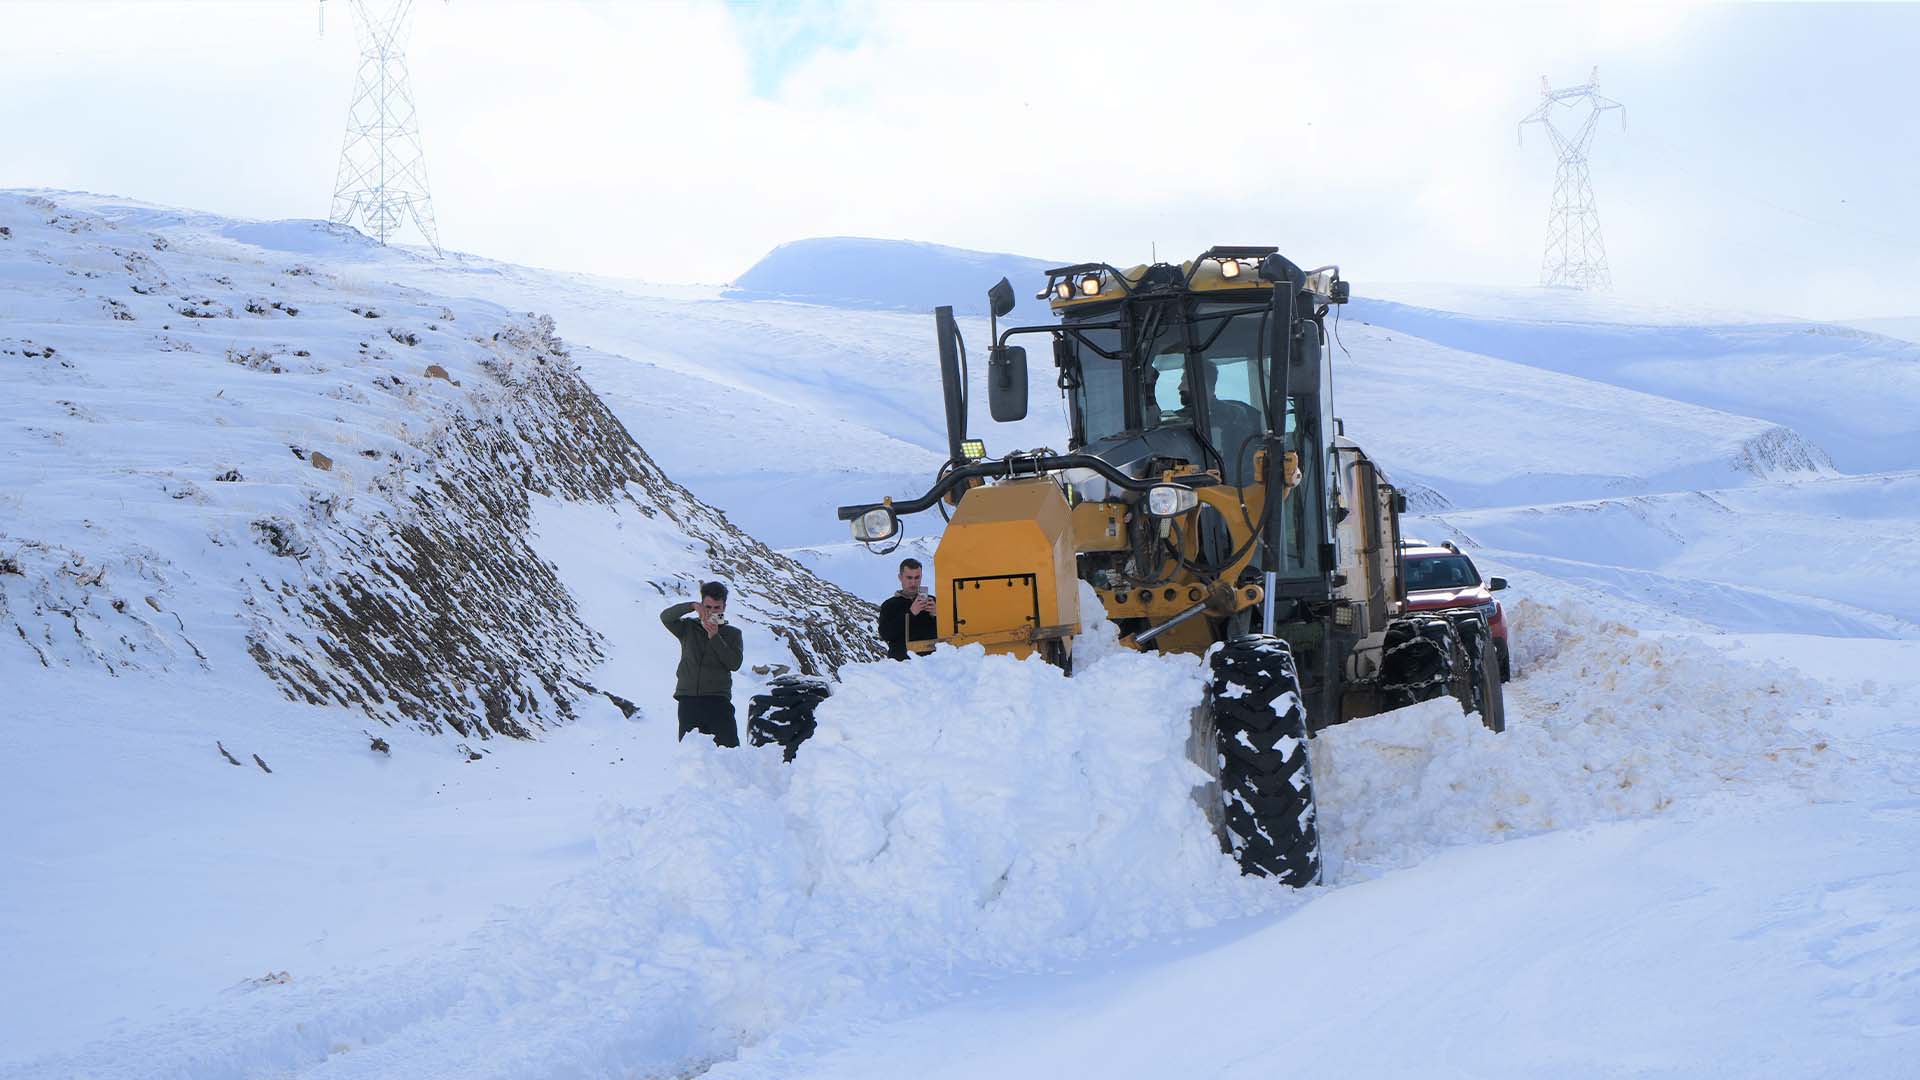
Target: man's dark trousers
(710,716)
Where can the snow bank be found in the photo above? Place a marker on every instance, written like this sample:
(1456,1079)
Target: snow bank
(957,816)
(1606,723)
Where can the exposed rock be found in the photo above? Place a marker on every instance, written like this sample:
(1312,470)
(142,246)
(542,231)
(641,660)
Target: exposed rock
(423,616)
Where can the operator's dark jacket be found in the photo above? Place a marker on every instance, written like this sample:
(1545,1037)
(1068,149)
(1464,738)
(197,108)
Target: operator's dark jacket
(899,625)
(707,663)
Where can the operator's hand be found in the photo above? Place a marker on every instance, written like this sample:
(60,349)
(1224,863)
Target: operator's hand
(922,604)
(711,624)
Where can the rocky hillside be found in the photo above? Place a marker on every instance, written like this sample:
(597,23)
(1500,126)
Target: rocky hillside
(214,461)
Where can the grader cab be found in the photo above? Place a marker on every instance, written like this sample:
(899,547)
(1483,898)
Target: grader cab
(1209,497)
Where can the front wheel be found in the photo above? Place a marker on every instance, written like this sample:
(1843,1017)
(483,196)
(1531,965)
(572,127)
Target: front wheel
(1264,808)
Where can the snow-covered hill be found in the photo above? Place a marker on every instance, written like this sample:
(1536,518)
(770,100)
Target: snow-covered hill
(1826,556)
(1478,431)
(903,275)
(218,462)
(1852,392)
(777,412)
(1906,328)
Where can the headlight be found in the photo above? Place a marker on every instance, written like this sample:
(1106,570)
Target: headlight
(1090,285)
(875,525)
(1167,500)
(1229,268)
(1063,289)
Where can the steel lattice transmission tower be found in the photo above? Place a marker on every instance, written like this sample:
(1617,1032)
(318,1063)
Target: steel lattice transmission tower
(382,183)
(1575,254)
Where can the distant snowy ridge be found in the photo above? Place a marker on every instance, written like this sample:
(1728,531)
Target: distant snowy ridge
(1852,392)
(1462,429)
(1781,453)
(212,461)
(899,275)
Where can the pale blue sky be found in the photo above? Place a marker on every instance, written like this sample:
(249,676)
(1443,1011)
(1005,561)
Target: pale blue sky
(1770,157)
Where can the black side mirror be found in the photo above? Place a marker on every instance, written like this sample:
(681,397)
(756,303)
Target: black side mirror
(1399,503)
(1000,299)
(1007,381)
(1496,584)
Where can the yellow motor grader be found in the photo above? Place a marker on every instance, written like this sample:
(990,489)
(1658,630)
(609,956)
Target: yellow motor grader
(1213,502)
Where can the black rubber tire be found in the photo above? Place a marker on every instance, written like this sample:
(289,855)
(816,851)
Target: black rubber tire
(1264,787)
(1484,691)
(1419,659)
(784,714)
(1493,698)
(1506,660)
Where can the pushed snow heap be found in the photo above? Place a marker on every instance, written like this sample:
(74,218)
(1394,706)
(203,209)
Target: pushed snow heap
(216,459)
(961,815)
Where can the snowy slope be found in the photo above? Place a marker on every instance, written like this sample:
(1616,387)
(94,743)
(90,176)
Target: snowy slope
(1850,391)
(220,463)
(1820,556)
(779,412)
(249,510)
(1481,431)
(1906,328)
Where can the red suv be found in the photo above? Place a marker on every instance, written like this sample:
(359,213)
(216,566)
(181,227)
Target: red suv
(1442,578)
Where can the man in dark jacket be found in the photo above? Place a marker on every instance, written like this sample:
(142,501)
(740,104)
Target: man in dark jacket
(908,615)
(710,652)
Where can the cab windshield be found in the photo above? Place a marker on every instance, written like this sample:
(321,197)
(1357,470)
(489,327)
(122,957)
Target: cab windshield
(1217,349)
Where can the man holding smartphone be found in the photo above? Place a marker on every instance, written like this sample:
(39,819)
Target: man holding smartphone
(908,615)
(710,652)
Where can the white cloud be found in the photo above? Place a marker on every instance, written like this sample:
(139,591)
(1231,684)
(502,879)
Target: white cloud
(629,139)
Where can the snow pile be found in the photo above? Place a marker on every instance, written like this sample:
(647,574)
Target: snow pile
(960,815)
(1606,723)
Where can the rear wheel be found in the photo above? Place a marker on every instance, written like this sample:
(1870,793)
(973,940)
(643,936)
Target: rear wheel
(1420,660)
(1263,807)
(784,714)
(1486,695)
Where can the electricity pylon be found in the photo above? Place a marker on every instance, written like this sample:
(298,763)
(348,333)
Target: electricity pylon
(382,183)
(1575,254)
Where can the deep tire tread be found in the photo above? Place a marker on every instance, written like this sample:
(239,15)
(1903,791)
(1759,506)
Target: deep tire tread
(1265,779)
